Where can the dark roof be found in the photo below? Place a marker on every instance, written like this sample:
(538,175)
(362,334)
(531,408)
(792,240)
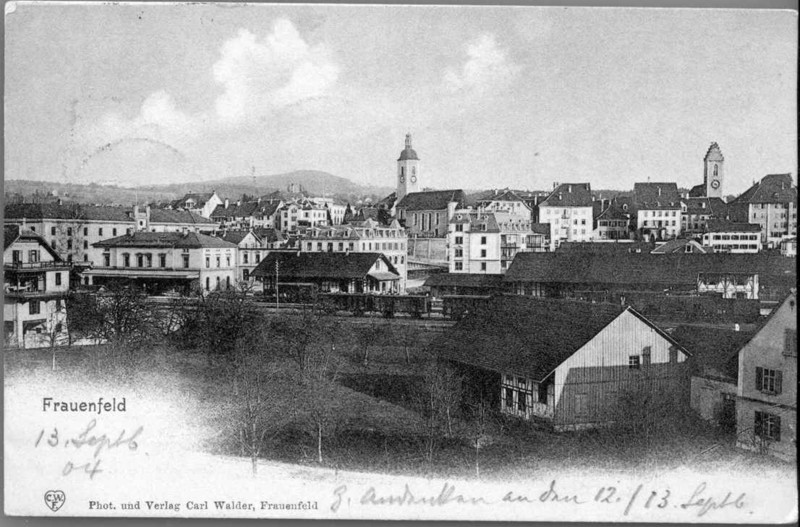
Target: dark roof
(465,280)
(773,188)
(432,200)
(656,196)
(249,208)
(189,240)
(233,236)
(623,268)
(38,211)
(269,235)
(679,245)
(496,195)
(729,226)
(698,191)
(12,233)
(483,222)
(178,216)
(713,348)
(523,335)
(199,199)
(606,247)
(713,206)
(408,153)
(569,195)
(319,265)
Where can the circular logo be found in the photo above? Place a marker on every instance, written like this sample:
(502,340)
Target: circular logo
(715,184)
(402,179)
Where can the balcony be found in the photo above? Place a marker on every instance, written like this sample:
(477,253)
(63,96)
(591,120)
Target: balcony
(33,267)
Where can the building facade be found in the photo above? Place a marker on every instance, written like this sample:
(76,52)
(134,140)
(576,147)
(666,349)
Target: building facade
(35,283)
(766,405)
(772,204)
(658,210)
(569,211)
(733,238)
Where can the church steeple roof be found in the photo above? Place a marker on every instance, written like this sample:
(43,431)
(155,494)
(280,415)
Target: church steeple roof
(408,152)
(714,153)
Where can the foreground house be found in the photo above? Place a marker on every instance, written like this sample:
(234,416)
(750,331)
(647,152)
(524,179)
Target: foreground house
(571,364)
(35,284)
(766,406)
(163,261)
(772,204)
(329,272)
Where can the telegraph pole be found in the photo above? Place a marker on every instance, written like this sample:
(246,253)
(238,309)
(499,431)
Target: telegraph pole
(277,296)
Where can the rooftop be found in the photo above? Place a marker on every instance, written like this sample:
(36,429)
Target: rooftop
(569,195)
(189,240)
(334,265)
(432,200)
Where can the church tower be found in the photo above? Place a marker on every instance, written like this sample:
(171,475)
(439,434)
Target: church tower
(407,171)
(714,171)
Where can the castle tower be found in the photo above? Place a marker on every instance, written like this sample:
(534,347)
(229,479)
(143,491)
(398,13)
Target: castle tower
(713,171)
(407,171)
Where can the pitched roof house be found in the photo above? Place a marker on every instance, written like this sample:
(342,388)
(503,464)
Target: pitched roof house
(569,363)
(428,213)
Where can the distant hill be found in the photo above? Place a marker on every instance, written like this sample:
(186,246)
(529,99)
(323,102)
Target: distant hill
(316,183)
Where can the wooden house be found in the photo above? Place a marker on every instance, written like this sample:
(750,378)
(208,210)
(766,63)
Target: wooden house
(571,364)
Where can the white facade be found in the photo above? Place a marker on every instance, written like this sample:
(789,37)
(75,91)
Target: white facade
(567,224)
(741,242)
(663,223)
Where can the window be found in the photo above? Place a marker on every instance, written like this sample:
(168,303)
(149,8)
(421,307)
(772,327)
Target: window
(69,244)
(227,261)
(483,253)
(86,231)
(767,426)
(483,240)
(245,274)
(114,231)
(126,260)
(580,404)
(107,259)
(769,381)
(162,260)
(69,231)
(459,240)
(85,244)
(208,262)
(140,260)
(459,227)
(459,253)
(790,344)
(633,362)
(483,266)
(100,231)
(186,261)
(33,256)
(149,258)
(58,278)
(34,308)
(52,231)
(246,257)
(458,266)
(208,283)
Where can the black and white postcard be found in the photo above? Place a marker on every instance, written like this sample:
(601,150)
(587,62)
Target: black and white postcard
(400,262)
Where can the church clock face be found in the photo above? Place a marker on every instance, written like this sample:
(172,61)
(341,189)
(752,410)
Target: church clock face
(413,179)
(402,178)
(715,184)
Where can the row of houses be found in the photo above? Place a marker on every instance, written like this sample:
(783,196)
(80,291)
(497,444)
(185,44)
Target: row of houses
(575,365)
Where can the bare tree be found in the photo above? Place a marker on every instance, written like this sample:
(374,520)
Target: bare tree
(438,401)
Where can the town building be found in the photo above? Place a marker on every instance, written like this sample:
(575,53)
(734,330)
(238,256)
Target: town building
(329,272)
(486,242)
(734,238)
(166,261)
(35,286)
(503,201)
(408,174)
(271,238)
(302,214)
(658,210)
(771,203)
(336,209)
(697,212)
(199,203)
(463,284)
(612,219)
(248,215)
(427,214)
(571,364)
(73,229)
(766,403)
(713,175)
(569,211)
(367,236)
(681,245)
(250,251)
(789,247)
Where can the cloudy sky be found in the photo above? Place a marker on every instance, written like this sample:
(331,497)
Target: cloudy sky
(494,96)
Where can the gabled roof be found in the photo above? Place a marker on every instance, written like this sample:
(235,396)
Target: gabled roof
(178,216)
(199,199)
(679,246)
(12,233)
(713,348)
(189,240)
(656,196)
(235,237)
(432,200)
(569,195)
(623,268)
(497,195)
(703,205)
(247,209)
(523,335)
(310,265)
(269,235)
(541,228)
(479,222)
(773,188)
(714,153)
(698,191)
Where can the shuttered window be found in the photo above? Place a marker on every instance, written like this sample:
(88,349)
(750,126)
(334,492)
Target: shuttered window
(769,381)
(767,426)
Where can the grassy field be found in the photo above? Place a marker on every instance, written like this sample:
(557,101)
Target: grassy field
(377,426)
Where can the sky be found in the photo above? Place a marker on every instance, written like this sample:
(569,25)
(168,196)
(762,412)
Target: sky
(493,96)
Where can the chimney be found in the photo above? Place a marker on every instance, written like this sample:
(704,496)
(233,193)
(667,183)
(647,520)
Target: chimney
(569,189)
(227,203)
(659,191)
